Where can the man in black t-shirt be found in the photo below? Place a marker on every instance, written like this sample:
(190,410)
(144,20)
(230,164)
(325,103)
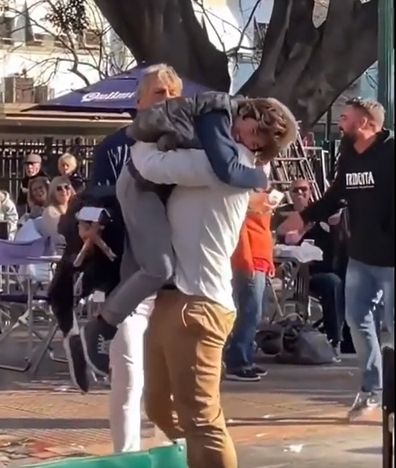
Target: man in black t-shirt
(366,180)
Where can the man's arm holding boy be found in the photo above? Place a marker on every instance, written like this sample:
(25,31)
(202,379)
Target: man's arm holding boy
(190,123)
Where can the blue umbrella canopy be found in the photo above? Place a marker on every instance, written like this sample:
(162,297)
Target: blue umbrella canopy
(114,94)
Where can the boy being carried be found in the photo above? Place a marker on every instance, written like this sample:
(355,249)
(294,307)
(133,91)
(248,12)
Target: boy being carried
(214,122)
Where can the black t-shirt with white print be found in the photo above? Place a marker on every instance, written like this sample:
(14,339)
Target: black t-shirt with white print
(366,182)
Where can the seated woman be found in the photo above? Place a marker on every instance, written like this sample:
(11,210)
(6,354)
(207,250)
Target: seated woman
(37,198)
(68,166)
(326,277)
(59,195)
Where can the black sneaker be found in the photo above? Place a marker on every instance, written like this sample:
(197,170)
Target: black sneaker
(260,371)
(243,375)
(77,364)
(95,337)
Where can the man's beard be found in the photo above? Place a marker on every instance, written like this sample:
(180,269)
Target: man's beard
(348,138)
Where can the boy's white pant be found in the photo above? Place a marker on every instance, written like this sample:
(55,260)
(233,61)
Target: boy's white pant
(127,379)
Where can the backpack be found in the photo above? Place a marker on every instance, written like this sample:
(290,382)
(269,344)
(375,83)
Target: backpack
(293,341)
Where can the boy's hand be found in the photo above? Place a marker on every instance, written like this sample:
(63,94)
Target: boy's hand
(272,271)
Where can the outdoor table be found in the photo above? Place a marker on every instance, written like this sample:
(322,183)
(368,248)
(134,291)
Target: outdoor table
(293,261)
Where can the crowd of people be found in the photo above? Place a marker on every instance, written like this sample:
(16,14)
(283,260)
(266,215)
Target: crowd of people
(192,202)
(41,199)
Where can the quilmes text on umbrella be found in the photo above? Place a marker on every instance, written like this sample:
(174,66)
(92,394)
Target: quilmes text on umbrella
(113,96)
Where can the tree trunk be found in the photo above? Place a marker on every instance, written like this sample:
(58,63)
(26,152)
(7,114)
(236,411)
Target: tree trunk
(305,67)
(168,31)
(308,68)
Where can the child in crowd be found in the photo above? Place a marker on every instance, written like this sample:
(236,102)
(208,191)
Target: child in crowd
(252,263)
(214,122)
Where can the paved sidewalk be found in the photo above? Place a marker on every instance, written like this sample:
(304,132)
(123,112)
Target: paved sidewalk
(294,417)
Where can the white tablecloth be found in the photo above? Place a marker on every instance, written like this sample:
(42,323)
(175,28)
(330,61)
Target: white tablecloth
(303,253)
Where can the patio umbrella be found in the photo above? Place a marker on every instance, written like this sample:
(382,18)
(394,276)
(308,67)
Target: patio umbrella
(114,94)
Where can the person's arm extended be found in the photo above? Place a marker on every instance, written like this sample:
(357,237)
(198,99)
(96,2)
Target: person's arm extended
(214,132)
(186,167)
(331,200)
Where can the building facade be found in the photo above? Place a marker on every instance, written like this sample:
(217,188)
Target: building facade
(39,60)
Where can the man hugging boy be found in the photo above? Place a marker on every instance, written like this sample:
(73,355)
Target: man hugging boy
(216,123)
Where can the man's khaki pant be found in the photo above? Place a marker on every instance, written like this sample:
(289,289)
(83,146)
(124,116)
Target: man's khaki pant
(183,355)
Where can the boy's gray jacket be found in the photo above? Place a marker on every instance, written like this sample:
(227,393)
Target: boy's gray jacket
(171,123)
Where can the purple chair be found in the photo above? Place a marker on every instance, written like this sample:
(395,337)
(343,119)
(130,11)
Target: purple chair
(14,255)
(22,253)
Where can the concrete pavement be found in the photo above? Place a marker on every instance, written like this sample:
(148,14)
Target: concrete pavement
(294,417)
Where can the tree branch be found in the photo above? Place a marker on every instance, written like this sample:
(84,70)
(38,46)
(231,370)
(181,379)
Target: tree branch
(235,49)
(308,68)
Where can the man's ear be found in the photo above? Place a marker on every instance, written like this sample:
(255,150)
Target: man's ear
(364,122)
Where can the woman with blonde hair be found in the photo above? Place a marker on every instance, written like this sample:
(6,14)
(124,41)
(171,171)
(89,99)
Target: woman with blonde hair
(68,166)
(37,196)
(59,195)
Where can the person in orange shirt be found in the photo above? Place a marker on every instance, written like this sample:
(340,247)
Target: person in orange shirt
(252,262)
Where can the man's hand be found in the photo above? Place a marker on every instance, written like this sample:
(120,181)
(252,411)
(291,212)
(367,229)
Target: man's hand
(293,222)
(90,233)
(334,219)
(88,230)
(167,142)
(293,237)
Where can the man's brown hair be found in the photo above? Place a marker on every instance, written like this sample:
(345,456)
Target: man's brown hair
(276,122)
(371,109)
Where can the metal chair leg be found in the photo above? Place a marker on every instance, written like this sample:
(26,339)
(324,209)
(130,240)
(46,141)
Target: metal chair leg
(44,348)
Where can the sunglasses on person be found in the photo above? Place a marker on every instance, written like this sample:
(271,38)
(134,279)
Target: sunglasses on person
(63,187)
(300,189)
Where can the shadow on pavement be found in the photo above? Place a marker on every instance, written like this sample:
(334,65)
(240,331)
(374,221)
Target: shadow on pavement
(299,421)
(44,423)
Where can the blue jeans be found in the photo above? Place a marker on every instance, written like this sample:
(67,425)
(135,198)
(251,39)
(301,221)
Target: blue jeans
(248,293)
(329,288)
(362,285)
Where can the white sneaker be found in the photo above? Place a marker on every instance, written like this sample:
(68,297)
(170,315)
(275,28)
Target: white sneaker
(364,404)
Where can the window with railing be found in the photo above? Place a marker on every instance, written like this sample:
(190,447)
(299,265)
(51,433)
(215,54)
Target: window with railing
(90,39)
(6,29)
